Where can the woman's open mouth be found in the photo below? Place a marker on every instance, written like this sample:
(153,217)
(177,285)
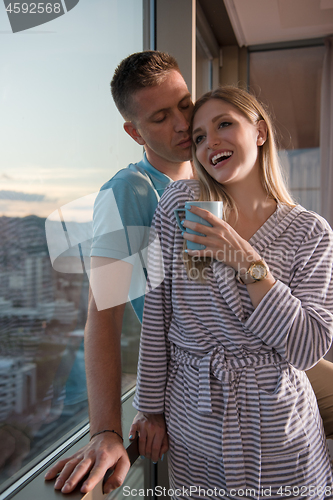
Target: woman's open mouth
(218,158)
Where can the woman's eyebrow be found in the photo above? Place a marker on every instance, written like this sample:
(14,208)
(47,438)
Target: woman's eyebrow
(199,129)
(215,119)
(222,115)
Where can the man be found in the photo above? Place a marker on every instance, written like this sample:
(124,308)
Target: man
(152,96)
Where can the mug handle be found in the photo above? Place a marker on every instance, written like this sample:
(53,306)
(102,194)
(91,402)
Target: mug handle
(182,228)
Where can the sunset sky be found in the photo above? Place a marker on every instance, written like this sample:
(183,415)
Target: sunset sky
(61,135)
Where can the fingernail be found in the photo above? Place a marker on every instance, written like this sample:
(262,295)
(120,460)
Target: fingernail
(131,437)
(186,251)
(182,222)
(154,463)
(142,457)
(183,233)
(162,457)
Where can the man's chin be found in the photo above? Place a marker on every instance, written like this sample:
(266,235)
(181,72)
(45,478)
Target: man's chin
(185,154)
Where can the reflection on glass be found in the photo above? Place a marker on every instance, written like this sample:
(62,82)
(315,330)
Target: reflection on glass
(289,82)
(302,167)
(62,139)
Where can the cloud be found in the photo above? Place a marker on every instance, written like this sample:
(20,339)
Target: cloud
(5,177)
(20,196)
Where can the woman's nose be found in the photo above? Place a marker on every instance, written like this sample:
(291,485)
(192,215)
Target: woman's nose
(213,140)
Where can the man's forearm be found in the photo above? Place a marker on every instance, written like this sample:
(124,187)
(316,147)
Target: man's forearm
(103,367)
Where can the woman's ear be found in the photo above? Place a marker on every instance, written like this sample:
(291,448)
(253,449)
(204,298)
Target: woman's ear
(131,130)
(262,132)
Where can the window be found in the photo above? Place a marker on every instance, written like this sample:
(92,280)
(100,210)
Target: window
(289,81)
(62,139)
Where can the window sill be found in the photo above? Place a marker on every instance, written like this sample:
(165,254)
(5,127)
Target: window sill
(37,487)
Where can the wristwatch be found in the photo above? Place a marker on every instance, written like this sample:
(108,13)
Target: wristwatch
(257,271)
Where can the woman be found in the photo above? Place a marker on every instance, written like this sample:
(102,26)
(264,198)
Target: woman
(227,335)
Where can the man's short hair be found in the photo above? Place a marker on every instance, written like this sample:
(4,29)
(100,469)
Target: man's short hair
(137,71)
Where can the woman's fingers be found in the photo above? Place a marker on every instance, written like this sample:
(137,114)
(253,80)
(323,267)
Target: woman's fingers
(142,442)
(221,242)
(201,212)
(165,446)
(152,434)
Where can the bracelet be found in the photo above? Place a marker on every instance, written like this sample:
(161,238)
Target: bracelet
(107,430)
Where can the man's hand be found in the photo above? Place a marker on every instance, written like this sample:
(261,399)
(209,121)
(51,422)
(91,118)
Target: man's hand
(153,438)
(103,452)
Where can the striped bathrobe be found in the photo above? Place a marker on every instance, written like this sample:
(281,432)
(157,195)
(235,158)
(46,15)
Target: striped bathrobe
(240,411)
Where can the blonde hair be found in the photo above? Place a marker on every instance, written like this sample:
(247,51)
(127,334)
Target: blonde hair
(270,170)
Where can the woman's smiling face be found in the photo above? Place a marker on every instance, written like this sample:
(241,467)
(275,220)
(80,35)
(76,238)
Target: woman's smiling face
(226,142)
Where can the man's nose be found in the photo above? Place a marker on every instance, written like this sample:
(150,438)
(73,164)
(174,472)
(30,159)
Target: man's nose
(182,122)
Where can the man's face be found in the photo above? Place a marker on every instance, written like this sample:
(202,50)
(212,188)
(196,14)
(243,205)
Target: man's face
(162,119)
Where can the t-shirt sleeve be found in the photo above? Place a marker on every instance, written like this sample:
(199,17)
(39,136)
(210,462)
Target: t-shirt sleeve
(119,223)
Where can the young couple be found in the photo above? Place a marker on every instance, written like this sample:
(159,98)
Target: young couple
(222,359)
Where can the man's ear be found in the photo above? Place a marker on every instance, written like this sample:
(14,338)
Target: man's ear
(131,130)
(262,132)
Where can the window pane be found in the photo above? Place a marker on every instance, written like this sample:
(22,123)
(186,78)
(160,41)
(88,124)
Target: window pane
(289,82)
(62,139)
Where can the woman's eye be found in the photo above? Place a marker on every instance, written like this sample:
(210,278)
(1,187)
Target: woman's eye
(224,124)
(198,139)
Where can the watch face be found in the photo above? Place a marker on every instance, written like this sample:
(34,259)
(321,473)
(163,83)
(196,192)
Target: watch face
(258,272)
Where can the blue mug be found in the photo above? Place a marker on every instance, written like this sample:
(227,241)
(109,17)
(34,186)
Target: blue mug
(215,207)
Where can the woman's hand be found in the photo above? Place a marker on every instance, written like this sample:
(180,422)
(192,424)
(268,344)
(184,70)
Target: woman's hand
(153,438)
(222,242)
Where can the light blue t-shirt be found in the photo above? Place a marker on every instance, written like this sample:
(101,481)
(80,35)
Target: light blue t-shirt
(123,212)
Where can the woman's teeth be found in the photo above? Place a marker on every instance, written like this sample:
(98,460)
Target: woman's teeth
(221,156)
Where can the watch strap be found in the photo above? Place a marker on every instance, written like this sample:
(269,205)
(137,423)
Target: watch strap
(247,277)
